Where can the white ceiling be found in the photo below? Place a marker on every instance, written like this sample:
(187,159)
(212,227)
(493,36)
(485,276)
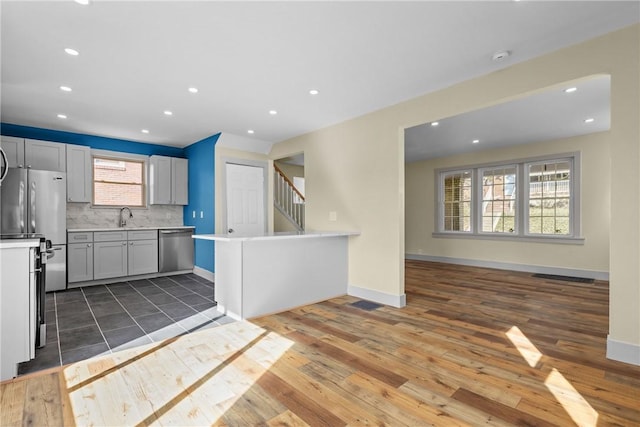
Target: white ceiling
(551,114)
(137,59)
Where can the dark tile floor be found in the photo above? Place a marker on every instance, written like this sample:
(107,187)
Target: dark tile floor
(94,320)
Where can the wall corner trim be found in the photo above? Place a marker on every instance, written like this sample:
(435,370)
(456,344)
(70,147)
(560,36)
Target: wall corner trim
(205,274)
(397,301)
(623,351)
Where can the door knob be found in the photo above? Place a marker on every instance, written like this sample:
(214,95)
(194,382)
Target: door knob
(230,230)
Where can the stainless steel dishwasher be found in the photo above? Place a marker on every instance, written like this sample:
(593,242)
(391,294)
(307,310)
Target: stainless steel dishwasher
(175,249)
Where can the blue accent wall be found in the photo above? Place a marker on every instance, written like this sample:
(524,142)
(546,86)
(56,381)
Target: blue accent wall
(97,142)
(202,197)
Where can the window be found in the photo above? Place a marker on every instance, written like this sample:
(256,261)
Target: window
(498,210)
(527,198)
(549,204)
(456,205)
(118,182)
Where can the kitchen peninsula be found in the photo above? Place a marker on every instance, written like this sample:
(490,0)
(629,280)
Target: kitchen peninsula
(263,274)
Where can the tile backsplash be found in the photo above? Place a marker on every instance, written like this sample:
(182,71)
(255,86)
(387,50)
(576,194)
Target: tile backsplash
(82,215)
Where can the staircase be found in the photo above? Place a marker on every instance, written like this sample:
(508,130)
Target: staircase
(287,199)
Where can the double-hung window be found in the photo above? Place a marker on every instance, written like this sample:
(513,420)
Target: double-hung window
(530,198)
(549,202)
(118,182)
(498,202)
(456,201)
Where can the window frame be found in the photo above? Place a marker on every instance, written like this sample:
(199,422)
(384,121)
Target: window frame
(521,232)
(441,199)
(574,198)
(480,199)
(126,157)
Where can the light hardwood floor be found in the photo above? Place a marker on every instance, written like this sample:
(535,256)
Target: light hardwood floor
(473,347)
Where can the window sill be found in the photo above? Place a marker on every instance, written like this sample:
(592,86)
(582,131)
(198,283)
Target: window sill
(511,238)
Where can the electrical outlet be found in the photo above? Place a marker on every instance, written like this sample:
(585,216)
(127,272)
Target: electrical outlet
(333,216)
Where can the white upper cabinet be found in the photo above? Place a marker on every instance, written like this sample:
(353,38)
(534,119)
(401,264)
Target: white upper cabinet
(14,149)
(34,154)
(160,180)
(180,181)
(168,181)
(78,173)
(44,155)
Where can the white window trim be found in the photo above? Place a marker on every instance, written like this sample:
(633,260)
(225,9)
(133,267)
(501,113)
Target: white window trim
(440,205)
(479,199)
(523,197)
(117,155)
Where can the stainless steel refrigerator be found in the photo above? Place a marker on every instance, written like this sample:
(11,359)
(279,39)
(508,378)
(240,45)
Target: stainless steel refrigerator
(35,201)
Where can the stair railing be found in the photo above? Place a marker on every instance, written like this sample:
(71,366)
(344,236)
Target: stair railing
(287,199)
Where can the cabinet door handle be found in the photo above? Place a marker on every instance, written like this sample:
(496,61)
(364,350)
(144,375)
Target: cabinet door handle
(131,243)
(124,243)
(88,245)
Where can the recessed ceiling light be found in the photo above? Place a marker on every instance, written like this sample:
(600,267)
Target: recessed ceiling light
(501,55)
(250,131)
(168,113)
(82,2)
(314,92)
(65,88)
(193,90)
(434,124)
(273,112)
(570,89)
(72,52)
(62,116)
(589,120)
(145,130)
(475,141)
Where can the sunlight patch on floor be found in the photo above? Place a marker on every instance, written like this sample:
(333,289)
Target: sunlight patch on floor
(576,406)
(193,379)
(571,400)
(529,352)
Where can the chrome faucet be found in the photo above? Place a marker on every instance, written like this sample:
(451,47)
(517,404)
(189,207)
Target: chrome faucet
(123,221)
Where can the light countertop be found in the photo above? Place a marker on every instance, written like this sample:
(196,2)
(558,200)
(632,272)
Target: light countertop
(19,243)
(172,227)
(274,236)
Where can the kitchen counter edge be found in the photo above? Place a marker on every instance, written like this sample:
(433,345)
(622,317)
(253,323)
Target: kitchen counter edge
(167,227)
(275,236)
(19,243)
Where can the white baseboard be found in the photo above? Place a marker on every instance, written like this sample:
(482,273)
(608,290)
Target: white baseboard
(623,351)
(560,271)
(205,274)
(398,301)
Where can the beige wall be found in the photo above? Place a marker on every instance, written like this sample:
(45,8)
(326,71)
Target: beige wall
(593,255)
(356,168)
(290,170)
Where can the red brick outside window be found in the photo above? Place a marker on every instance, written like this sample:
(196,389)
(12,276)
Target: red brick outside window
(118,182)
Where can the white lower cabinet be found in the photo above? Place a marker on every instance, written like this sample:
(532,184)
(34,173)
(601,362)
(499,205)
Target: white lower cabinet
(17,308)
(143,257)
(110,254)
(80,262)
(109,259)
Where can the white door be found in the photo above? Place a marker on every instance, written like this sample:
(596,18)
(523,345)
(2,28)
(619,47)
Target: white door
(245,199)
